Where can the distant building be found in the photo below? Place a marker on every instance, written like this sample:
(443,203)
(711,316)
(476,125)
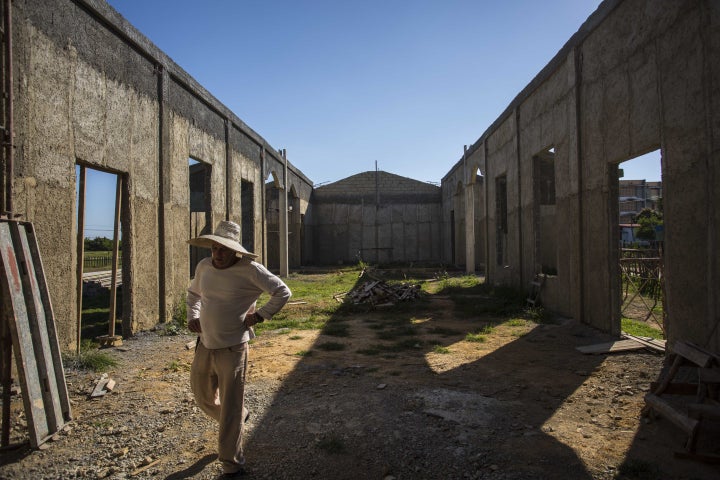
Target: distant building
(636,195)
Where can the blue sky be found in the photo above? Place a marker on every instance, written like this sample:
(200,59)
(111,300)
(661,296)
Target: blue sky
(343,84)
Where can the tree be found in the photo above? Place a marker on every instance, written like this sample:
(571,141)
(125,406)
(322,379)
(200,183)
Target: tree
(98,244)
(648,219)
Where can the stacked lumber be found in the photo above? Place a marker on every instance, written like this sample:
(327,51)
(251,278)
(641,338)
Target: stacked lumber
(381,294)
(94,282)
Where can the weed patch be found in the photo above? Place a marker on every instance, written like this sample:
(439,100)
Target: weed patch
(475,337)
(640,329)
(89,358)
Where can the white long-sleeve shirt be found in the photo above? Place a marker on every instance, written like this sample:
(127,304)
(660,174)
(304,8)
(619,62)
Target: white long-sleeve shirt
(221,298)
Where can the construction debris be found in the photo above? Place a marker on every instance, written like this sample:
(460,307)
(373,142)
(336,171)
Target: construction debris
(629,342)
(103,386)
(379,293)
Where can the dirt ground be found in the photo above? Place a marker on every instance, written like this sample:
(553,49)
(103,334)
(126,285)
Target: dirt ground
(523,404)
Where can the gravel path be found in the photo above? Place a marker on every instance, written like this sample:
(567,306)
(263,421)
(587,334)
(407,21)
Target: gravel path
(528,407)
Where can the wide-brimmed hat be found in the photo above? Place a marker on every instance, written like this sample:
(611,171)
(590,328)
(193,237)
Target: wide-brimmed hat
(226,234)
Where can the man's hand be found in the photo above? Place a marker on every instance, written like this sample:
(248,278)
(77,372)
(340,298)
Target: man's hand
(253,319)
(194,325)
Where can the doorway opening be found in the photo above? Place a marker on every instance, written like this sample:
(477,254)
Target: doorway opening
(639,236)
(101,200)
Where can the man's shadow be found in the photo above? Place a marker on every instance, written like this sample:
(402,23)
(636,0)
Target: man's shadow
(193,469)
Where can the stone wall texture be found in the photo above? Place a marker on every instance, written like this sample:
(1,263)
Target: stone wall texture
(640,75)
(376,217)
(90,90)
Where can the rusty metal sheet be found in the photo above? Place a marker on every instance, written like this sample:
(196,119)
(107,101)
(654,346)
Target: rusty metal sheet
(33,332)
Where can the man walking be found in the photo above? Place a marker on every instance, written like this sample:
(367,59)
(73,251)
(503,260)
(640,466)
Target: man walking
(221,309)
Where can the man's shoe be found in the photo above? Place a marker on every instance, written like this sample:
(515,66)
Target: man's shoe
(240,473)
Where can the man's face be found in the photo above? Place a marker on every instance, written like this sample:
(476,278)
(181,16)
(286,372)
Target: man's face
(222,257)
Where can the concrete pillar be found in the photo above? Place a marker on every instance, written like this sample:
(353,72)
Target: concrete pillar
(283,219)
(470,228)
(469,217)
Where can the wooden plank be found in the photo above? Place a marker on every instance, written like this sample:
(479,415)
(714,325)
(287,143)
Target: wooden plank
(695,355)
(652,343)
(56,354)
(39,328)
(609,347)
(32,328)
(686,424)
(22,340)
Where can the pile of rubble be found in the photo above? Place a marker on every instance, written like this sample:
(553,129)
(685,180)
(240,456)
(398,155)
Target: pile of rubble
(381,294)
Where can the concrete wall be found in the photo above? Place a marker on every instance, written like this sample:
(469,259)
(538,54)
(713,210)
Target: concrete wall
(463,205)
(639,75)
(90,89)
(378,217)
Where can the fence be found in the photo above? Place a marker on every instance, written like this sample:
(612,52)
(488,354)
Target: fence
(642,280)
(98,262)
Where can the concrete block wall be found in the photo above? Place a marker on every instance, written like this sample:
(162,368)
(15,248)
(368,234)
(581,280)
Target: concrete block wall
(378,217)
(90,89)
(639,75)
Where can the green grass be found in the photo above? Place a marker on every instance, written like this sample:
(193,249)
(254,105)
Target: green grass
(466,284)
(89,358)
(640,329)
(440,349)
(516,322)
(177,366)
(96,315)
(475,337)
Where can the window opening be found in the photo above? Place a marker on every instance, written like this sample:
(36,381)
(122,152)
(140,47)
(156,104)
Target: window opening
(247,207)
(546,230)
(200,221)
(501,218)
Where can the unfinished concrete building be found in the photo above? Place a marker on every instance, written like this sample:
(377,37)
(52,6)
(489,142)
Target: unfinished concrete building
(639,75)
(90,91)
(535,194)
(376,217)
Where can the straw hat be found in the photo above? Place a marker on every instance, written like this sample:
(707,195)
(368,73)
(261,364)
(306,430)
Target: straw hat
(226,234)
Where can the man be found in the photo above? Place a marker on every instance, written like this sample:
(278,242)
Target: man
(221,309)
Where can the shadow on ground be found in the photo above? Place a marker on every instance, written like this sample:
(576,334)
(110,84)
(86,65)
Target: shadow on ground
(374,411)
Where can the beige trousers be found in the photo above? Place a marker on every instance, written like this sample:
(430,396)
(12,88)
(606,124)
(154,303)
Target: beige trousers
(217,379)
